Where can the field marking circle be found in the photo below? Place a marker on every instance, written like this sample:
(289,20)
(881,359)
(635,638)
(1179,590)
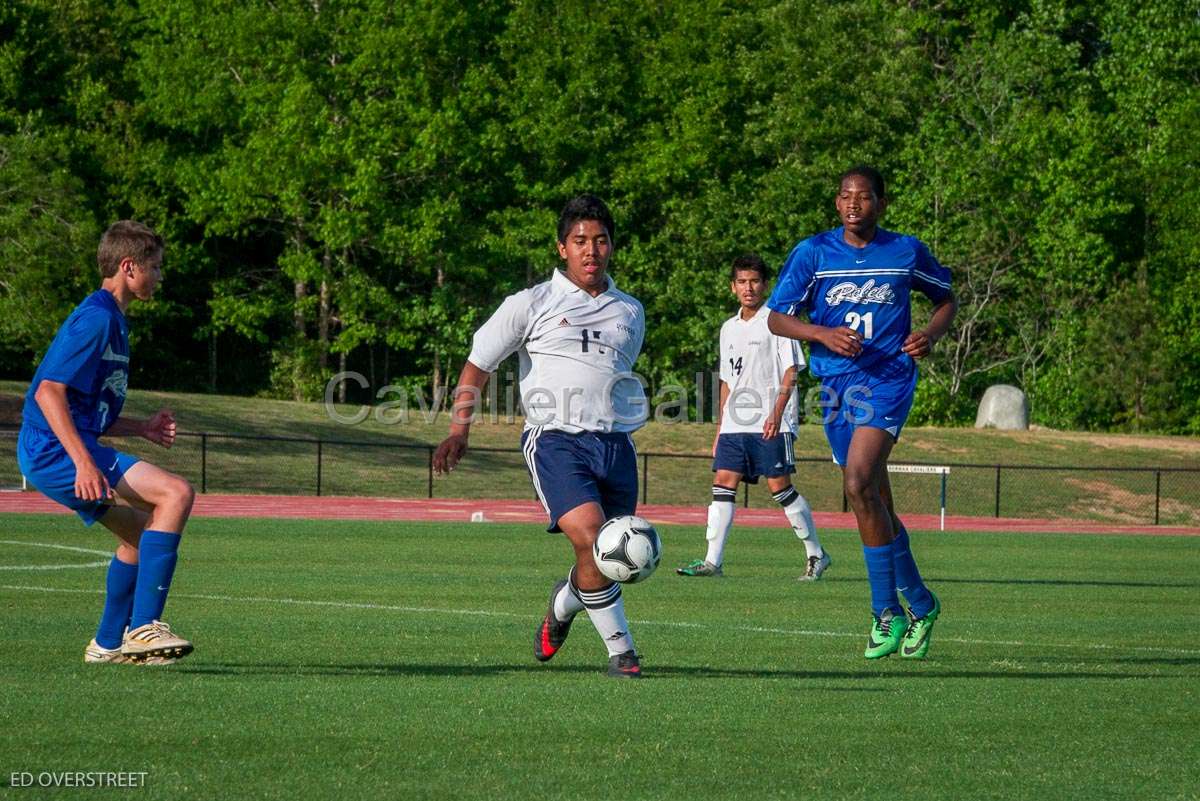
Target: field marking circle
(73,566)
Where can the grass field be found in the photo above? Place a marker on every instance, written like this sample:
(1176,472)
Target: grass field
(376,660)
(392,460)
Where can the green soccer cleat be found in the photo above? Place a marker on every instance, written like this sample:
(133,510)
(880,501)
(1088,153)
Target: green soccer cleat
(887,631)
(699,567)
(919,631)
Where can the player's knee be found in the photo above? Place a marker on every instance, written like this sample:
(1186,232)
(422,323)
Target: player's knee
(857,485)
(180,493)
(127,553)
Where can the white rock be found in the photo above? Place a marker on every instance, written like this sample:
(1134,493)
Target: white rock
(1005,407)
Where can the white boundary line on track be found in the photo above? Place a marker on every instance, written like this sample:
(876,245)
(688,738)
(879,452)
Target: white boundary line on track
(430,610)
(75,566)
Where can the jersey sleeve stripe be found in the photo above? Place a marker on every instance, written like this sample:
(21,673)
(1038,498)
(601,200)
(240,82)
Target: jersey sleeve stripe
(826,273)
(931,279)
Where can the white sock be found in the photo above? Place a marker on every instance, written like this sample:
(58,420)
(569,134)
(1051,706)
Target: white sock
(720,520)
(567,603)
(799,514)
(606,608)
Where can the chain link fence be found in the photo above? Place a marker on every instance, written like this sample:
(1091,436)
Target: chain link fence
(235,463)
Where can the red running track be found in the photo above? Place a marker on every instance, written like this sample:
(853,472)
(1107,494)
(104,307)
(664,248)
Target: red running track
(460,510)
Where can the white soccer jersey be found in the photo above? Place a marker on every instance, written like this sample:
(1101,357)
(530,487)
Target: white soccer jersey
(753,361)
(576,355)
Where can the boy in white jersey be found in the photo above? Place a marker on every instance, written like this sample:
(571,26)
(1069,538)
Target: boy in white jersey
(577,337)
(756,422)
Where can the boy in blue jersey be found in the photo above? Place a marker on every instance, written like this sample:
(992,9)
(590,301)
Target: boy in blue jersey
(854,283)
(75,398)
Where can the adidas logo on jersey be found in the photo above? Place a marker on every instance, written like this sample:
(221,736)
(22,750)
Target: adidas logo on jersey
(563,322)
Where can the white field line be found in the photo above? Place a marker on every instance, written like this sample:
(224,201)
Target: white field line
(72,566)
(432,610)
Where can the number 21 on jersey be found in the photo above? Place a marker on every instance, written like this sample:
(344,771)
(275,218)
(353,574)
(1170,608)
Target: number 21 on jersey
(854,319)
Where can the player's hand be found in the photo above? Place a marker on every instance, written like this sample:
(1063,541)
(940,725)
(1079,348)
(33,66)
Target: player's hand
(918,344)
(160,429)
(771,427)
(843,341)
(714,447)
(90,483)
(449,453)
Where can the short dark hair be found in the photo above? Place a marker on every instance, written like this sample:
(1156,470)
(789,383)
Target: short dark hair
(585,207)
(127,239)
(870,173)
(750,261)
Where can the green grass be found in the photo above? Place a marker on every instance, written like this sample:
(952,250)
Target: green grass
(1063,667)
(362,469)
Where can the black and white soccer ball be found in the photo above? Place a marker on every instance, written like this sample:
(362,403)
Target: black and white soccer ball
(627,549)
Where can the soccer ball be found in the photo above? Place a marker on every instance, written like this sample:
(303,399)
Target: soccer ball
(627,549)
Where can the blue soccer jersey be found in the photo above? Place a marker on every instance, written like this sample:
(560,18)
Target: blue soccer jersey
(90,354)
(867,289)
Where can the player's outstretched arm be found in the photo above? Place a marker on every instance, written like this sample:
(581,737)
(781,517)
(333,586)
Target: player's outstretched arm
(471,382)
(920,343)
(159,429)
(90,483)
(842,341)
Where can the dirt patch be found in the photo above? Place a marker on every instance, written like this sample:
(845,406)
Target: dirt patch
(935,447)
(1184,446)
(1112,503)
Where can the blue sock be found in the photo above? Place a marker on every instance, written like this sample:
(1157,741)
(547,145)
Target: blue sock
(908,578)
(881,573)
(118,603)
(157,554)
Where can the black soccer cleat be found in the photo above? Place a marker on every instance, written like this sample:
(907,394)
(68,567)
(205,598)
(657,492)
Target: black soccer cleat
(624,666)
(551,632)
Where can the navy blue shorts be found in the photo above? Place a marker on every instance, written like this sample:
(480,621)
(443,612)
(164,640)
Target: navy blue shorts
(45,463)
(752,456)
(879,397)
(569,470)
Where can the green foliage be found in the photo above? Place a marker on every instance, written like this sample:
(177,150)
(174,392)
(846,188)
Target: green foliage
(364,181)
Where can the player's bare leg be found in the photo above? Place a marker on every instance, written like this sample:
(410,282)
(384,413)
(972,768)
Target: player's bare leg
(166,499)
(127,525)
(799,515)
(866,463)
(595,592)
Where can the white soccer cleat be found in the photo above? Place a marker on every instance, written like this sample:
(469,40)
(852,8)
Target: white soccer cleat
(815,567)
(97,654)
(155,639)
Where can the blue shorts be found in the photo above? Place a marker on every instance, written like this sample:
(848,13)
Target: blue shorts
(752,456)
(573,469)
(45,464)
(878,397)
